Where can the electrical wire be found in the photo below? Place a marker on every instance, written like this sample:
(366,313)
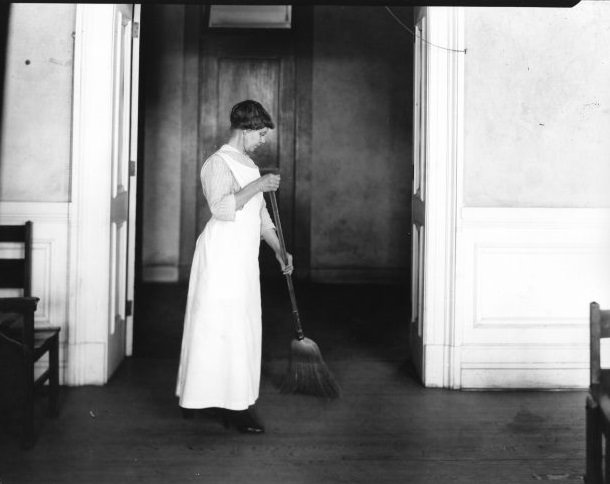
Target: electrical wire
(403,25)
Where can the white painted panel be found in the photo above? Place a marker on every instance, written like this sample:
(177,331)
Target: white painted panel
(537,285)
(524,281)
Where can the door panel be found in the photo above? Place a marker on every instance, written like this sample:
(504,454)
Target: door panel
(133,172)
(121,97)
(240,79)
(418,205)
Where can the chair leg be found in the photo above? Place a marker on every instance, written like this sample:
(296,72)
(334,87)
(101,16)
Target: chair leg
(607,461)
(594,444)
(54,377)
(27,437)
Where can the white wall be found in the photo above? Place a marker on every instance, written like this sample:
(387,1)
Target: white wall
(36,150)
(533,238)
(537,106)
(35,138)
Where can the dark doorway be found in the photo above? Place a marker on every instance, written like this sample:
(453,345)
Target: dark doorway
(350,309)
(238,64)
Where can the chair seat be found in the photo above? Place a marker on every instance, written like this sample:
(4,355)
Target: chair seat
(43,338)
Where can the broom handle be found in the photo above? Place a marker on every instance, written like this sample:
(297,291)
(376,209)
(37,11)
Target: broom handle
(293,299)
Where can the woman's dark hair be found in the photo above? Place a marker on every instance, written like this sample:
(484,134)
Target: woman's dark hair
(250,115)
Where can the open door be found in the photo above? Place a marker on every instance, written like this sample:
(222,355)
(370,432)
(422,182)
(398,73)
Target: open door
(418,196)
(122,215)
(133,172)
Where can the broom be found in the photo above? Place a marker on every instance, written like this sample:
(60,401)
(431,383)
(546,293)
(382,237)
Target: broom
(307,372)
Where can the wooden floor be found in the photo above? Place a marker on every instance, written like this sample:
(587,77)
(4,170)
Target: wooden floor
(385,429)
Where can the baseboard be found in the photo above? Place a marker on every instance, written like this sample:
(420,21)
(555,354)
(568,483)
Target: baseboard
(161,273)
(358,276)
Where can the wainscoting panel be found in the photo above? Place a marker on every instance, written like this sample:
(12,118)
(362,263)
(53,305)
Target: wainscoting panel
(49,264)
(525,278)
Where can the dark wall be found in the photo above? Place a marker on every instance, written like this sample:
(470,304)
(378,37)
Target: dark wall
(362,142)
(358,179)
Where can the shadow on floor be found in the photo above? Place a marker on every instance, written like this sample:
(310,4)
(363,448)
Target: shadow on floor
(345,320)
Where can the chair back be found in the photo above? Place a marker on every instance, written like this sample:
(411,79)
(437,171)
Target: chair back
(16,273)
(599,329)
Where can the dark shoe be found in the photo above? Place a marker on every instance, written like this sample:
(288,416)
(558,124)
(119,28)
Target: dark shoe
(246,421)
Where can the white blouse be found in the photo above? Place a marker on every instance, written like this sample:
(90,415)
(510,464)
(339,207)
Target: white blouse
(219,186)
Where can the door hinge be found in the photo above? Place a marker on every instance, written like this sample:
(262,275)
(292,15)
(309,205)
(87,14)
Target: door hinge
(128,308)
(135,31)
(132,168)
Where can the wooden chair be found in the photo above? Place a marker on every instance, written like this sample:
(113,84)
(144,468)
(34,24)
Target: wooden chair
(598,402)
(17,331)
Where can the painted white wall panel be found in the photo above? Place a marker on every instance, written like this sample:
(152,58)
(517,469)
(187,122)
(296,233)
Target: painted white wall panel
(525,278)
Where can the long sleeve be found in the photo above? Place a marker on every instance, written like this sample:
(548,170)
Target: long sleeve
(266,222)
(219,187)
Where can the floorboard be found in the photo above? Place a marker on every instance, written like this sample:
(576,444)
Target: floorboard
(385,429)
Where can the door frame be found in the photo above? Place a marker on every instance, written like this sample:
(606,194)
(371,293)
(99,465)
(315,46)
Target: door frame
(445,146)
(90,211)
(89,207)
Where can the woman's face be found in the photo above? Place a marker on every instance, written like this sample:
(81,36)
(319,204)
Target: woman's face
(253,138)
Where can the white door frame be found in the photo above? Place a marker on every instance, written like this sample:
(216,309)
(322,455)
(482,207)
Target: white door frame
(90,208)
(445,145)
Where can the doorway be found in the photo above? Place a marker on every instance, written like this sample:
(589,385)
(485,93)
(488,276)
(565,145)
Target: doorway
(339,85)
(238,64)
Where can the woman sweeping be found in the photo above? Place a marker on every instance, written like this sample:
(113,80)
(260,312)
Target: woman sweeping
(220,361)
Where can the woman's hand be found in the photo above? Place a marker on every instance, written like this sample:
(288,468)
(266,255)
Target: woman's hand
(269,182)
(286,268)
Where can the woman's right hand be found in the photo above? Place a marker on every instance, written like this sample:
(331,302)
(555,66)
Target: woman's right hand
(269,182)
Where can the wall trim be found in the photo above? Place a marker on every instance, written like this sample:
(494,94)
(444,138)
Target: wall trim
(90,195)
(162,273)
(360,276)
(444,143)
(18,212)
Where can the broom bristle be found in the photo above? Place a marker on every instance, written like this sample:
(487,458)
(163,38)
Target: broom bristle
(308,373)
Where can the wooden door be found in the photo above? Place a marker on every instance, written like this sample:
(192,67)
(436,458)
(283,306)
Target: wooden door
(120,183)
(250,64)
(418,198)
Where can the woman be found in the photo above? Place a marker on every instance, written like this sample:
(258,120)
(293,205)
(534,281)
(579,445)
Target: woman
(220,360)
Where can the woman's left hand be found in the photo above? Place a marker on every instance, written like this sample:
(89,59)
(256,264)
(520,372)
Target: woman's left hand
(286,268)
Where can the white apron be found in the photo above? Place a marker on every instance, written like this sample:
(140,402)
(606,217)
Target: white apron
(220,361)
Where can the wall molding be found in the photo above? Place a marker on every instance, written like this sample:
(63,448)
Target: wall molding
(163,273)
(91,182)
(444,145)
(359,276)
